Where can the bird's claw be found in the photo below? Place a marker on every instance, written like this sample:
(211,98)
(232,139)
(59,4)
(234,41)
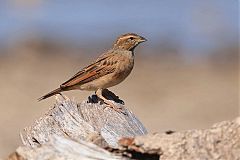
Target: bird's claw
(117,108)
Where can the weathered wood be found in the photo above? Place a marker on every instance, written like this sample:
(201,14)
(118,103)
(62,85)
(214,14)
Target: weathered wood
(84,121)
(221,142)
(90,131)
(64,148)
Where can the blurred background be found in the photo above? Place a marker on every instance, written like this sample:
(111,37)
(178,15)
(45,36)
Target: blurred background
(185,75)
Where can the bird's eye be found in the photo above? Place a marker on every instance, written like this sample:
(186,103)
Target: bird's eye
(131,38)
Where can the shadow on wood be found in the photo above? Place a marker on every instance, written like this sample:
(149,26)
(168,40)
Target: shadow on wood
(90,130)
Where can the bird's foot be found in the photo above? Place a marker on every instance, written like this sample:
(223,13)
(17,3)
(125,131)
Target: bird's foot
(109,103)
(115,107)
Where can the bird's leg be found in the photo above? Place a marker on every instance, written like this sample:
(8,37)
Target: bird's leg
(108,102)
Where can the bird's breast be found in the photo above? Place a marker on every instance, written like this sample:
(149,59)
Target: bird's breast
(123,70)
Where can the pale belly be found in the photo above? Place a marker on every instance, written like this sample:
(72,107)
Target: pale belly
(107,80)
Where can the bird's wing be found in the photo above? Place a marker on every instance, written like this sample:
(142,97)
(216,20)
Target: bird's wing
(104,65)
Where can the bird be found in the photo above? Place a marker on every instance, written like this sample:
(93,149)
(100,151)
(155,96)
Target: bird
(109,69)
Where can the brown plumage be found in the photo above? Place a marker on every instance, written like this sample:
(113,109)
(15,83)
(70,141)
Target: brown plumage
(108,70)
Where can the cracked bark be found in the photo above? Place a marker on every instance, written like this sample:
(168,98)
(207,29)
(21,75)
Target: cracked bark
(90,131)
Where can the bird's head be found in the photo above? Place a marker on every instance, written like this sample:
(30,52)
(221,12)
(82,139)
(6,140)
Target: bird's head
(128,41)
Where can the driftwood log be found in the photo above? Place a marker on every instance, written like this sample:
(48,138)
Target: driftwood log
(90,130)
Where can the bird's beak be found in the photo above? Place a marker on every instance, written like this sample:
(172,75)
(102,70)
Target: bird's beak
(142,39)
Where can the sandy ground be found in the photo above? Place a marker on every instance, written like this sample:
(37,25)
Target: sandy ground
(164,94)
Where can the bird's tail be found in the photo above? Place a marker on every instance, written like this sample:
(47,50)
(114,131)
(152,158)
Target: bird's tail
(56,91)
